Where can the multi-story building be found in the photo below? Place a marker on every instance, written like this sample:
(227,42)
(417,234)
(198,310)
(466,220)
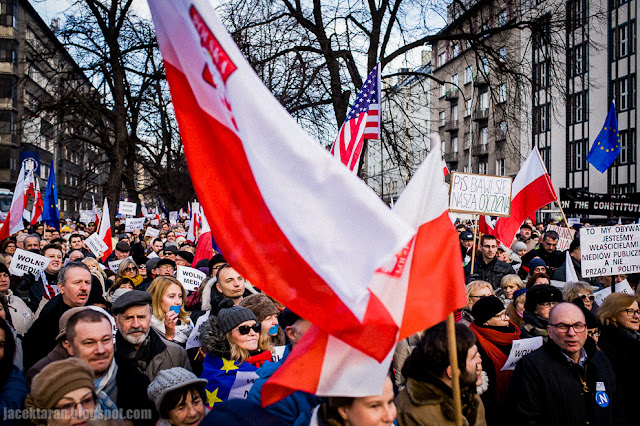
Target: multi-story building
(32,64)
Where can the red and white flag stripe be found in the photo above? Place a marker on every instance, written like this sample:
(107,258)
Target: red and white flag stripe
(13,221)
(284,212)
(105,230)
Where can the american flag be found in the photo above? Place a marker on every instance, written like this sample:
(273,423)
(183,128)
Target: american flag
(363,122)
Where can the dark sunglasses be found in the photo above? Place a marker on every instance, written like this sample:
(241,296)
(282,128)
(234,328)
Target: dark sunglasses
(131,269)
(586,296)
(245,329)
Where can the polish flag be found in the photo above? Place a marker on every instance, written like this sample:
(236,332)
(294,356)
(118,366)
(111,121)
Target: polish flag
(296,211)
(486,225)
(531,189)
(94,209)
(192,233)
(204,247)
(13,221)
(29,196)
(38,204)
(105,230)
(420,287)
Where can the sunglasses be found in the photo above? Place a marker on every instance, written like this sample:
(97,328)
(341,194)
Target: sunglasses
(131,269)
(586,296)
(245,329)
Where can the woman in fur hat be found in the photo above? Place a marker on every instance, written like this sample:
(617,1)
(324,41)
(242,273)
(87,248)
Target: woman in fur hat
(266,313)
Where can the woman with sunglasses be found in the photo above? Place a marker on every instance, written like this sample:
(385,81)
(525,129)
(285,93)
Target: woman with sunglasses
(579,290)
(620,341)
(230,341)
(129,269)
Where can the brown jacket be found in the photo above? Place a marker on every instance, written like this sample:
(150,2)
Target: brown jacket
(431,404)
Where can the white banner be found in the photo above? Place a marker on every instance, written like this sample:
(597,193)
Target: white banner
(24,262)
(610,250)
(488,195)
(519,349)
(133,223)
(126,208)
(86,216)
(621,287)
(173,218)
(95,244)
(190,278)
(152,232)
(566,236)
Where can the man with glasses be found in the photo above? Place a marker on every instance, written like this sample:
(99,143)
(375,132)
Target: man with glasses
(567,381)
(547,251)
(487,267)
(166,268)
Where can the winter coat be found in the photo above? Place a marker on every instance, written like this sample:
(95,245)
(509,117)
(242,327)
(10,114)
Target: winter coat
(13,392)
(403,350)
(533,326)
(431,404)
(31,290)
(492,272)
(554,260)
(21,316)
(622,347)
(58,353)
(547,389)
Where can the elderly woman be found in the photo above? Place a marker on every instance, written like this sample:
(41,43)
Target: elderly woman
(129,268)
(178,396)
(9,247)
(620,341)
(169,318)
(540,300)
(475,290)
(579,290)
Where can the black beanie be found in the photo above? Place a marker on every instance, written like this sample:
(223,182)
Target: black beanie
(230,316)
(485,309)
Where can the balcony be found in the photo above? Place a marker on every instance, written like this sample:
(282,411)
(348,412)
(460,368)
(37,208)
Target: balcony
(451,95)
(480,80)
(451,126)
(480,149)
(450,157)
(481,114)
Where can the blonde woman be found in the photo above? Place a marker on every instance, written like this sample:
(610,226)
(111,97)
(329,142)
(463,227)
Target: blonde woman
(475,291)
(509,285)
(169,318)
(129,269)
(579,290)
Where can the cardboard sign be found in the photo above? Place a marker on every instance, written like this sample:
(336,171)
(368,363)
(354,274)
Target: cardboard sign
(566,236)
(152,232)
(95,244)
(155,222)
(190,278)
(519,349)
(610,250)
(173,218)
(482,194)
(24,262)
(115,264)
(621,287)
(133,223)
(126,208)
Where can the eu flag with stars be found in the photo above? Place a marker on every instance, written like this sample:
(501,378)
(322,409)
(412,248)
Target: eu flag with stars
(606,147)
(50,213)
(228,379)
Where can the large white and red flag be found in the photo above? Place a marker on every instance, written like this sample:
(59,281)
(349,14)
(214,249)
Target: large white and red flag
(420,286)
(95,210)
(38,202)
(104,231)
(283,212)
(13,221)
(531,189)
(362,122)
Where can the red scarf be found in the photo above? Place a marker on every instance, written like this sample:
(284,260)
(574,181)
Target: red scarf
(488,338)
(260,359)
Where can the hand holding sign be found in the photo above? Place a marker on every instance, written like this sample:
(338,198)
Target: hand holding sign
(24,262)
(96,245)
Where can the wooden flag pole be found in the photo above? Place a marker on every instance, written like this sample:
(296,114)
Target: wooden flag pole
(473,251)
(455,371)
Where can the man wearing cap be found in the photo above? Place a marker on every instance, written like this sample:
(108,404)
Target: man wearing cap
(184,258)
(524,236)
(122,251)
(169,252)
(487,267)
(152,272)
(567,381)
(166,268)
(466,246)
(74,285)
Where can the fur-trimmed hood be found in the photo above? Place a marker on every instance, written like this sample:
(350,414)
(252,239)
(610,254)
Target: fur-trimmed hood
(212,339)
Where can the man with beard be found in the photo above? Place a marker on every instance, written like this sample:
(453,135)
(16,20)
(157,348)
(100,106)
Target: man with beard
(141,353)
(74,285)
(33,290)
(426,399)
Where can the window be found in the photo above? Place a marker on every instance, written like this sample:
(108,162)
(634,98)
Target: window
(623,40)
(443,90)
(454,144)
(579,107)
(442,118)
(483,168)
(485,65)
(467,107)
(8,13)
(6,122)
(454,80)
(442,59)
(502,18)
(502,93)
(502,130)
(7,50)
(7,86)
(578,60)
(625,92)
(541,118)
(468,74)
(577,14)
(454,113)
(484,135)
(501,169)
(578,155)
(455,50)
(541,73)
(484,100)
(467,140)
(627,147)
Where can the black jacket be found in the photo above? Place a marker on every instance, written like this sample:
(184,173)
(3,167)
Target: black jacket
(31,290)
(491,272)
(553,260)
(623,350)
(547,389)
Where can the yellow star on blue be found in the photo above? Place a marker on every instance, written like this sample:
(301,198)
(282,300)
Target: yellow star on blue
(228,365)
(212,397)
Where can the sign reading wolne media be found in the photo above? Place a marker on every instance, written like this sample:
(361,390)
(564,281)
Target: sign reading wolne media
(610,250)
(481,194)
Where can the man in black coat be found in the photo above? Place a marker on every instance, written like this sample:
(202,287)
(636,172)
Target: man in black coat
(568,381)
(547,252)
(488,267)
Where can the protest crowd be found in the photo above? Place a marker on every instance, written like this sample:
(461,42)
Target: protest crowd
(123,336)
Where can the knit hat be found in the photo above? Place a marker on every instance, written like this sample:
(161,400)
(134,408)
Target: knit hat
(64,319)
(186,256)
(288,318)
(260,305)
(230,316)
(152,263)
(539,294)
(536,262)
(169,380)
(486,308)
(519,292)
(519,246)
(58,379)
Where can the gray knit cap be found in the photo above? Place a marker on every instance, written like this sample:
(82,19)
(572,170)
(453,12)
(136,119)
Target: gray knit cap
(169,380)
(230,316)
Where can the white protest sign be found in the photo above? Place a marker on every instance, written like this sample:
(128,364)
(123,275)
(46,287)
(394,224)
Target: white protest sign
(133,223)
(173,217)
(242,384)
(24,262)
(86,216)
(566,236)
(573,221)
(278,353)
(95,244)
(488,195)
(115,264)
(610,250)
(152,255)
(194,337)
(152,232)
(621,287)
(190,278)
(519,349)
(126,208)
(154,222)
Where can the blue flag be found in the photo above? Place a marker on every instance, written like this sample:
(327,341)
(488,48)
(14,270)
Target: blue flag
(228,379)
(50,212)
(606,147)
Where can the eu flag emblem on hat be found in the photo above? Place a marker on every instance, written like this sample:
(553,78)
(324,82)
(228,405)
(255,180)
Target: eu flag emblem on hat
(606,147)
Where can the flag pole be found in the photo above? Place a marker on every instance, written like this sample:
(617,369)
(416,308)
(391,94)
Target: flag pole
(473,251)
(455,371)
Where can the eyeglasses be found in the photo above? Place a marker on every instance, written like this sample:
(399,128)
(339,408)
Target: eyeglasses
(593,333)
(245,329)
(131,269)
(632,312)
(548,304)
(578,327)
(586,296)
(87,403)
